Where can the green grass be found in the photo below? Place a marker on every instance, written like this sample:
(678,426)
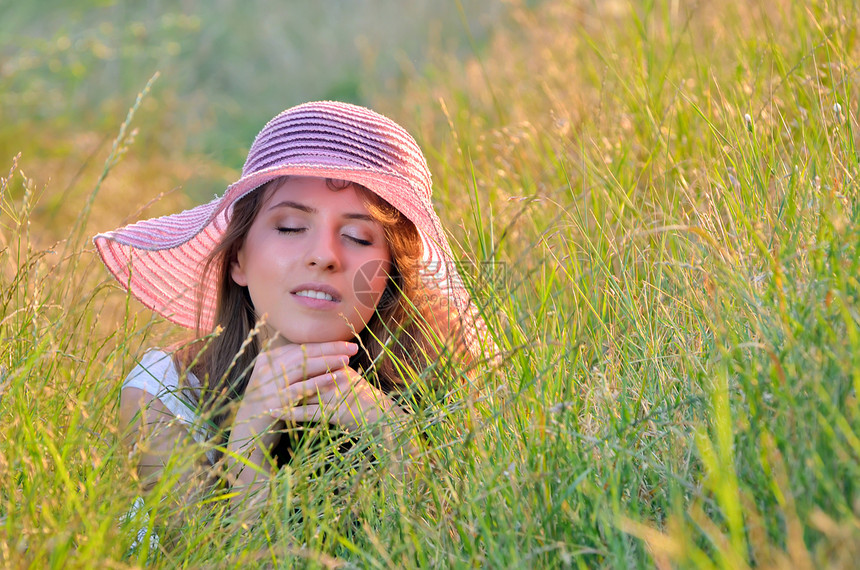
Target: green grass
(665,199)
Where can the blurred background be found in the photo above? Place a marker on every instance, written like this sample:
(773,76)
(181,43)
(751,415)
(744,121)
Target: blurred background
(70,70)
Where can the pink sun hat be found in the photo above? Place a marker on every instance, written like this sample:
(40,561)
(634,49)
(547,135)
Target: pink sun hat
(161,260)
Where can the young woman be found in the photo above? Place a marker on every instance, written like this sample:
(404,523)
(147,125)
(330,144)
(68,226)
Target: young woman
(318,285)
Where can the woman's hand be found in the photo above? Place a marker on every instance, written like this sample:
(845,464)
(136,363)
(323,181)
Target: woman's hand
(282,377)
(343,398)
(346,399)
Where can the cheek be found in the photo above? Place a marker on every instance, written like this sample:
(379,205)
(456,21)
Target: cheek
(255,268)
(369,282)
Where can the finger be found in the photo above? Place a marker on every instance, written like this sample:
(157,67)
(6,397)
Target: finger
(307,413)
(296,368)
(330,388)
(310,388)
(314,349)
(314,367)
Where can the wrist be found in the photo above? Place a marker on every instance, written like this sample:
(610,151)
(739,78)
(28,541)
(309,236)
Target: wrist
(251,429)
(252,435)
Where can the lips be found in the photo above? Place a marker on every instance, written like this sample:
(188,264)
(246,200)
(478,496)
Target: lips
(319,291)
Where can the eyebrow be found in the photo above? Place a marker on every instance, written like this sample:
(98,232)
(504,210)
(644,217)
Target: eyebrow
(309,210)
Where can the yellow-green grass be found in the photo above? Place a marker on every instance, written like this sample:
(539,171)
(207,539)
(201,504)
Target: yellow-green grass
(657,207)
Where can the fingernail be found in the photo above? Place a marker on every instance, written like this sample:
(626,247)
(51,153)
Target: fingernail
(352,347)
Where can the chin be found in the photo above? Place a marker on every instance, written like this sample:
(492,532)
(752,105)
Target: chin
(305,337)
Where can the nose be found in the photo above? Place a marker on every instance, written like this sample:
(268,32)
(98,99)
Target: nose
(324,253)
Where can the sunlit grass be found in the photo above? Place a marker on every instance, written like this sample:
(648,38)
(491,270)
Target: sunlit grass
(663,203)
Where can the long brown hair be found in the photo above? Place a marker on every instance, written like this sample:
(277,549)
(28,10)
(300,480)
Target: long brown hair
(409,330)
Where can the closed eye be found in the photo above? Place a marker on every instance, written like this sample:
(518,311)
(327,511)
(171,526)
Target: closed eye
(285,230)
(359,241)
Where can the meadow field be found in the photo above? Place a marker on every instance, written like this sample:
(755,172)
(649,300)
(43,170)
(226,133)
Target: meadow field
(656,207)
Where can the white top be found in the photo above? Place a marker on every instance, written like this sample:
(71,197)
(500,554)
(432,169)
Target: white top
(157,375)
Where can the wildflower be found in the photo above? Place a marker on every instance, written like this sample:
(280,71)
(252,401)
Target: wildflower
(837,111)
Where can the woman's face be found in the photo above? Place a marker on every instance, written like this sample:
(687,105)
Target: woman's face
(314,261)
